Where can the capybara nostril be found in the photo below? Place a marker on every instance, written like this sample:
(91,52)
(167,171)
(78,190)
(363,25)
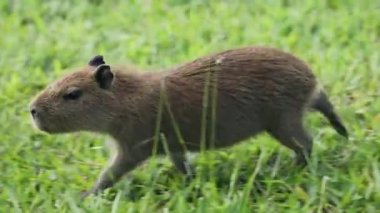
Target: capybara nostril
(33,111)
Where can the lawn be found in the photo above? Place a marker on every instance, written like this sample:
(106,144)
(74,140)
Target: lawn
(340,39)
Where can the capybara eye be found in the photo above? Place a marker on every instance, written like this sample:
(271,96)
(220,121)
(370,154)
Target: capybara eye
(73,95)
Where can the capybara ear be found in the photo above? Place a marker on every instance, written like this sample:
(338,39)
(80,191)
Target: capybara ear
(96,61)
(103,76)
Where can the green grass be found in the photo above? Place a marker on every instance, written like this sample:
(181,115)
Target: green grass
(340,39)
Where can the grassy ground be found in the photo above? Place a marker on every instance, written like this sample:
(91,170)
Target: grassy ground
(340,39)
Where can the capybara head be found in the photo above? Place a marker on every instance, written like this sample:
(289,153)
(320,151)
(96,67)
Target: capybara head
(82,100)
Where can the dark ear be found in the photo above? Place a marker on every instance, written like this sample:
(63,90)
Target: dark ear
(96,61)
(104,76)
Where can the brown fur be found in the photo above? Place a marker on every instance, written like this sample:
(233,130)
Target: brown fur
(239,93)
